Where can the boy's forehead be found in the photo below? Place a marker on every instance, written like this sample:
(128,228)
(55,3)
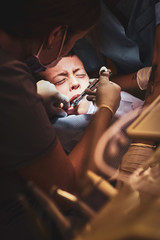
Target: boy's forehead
(68,63)
(71,60)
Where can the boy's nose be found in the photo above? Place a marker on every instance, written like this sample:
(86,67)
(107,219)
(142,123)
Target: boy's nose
(74,83)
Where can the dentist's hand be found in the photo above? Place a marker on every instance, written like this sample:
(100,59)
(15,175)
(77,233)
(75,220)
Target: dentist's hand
(108,93)
(53,100)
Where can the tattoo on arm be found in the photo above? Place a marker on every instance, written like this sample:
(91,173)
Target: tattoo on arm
(150,86)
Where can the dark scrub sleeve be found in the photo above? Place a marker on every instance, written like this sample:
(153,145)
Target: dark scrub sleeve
(26,133)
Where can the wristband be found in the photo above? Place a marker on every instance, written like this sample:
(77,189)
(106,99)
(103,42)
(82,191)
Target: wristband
(106,106)
(143,145)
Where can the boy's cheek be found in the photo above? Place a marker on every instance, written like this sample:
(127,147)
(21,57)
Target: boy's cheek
(83,107)
(72,110)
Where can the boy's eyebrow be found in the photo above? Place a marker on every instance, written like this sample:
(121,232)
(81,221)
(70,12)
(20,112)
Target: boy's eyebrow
(77,69)
(60,74)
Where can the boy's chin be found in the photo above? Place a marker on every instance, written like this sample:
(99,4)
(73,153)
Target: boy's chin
(78,110)
(72,111)
(82,110)
(83,107)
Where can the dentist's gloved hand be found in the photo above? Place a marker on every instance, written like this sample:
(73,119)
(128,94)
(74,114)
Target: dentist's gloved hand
(143,77)
(108,93)
(54,101)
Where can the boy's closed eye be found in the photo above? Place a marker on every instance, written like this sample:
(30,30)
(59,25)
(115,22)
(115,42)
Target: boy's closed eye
(81,75)
(59,82)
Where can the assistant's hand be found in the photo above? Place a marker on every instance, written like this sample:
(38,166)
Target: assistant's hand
(54,102)
(156,50)
(108,93)
(154,92)
(153,88)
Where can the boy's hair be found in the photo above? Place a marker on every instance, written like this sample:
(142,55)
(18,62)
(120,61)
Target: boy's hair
(71,53)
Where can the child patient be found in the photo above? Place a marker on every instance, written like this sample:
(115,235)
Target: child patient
(71,79)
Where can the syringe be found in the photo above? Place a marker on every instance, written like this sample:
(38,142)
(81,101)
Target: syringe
(92,86)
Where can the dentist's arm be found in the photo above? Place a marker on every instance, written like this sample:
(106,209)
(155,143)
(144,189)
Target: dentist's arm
(107,100)
(65,171)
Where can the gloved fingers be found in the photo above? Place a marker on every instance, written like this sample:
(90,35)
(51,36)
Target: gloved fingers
(91,98)
(53,100)
(59,98)
(104,77)
(91,94)
(45,88)
(57,111)
(104,69)
(88,91)
(108,93)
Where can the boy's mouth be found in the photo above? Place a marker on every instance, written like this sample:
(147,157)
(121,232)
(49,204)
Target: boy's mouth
(73,98)
(71,109)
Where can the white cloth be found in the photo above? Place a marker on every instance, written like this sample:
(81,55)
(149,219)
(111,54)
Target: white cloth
(127,104)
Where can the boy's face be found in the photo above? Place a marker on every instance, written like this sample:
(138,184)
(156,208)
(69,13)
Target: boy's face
(71,79)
